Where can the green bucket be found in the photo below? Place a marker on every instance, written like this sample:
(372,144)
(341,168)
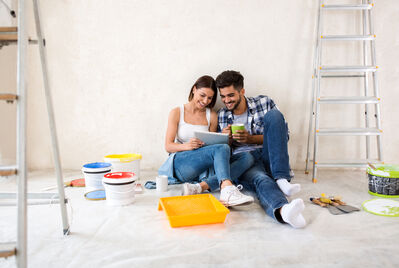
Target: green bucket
(384,180)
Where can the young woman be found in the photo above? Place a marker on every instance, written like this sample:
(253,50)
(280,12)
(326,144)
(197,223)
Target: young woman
(189,159)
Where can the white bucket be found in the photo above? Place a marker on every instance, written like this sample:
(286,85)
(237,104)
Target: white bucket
(125,163)
(94,173)
(119,188)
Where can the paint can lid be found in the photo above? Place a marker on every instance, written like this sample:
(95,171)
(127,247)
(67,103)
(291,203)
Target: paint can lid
(97,167)
(122,158)
(119,177)
(383,170)
(95,195)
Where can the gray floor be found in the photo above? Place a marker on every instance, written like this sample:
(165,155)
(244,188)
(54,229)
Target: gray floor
(139,235)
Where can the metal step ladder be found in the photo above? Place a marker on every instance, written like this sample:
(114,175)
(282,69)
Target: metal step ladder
(17,35)
(368,70)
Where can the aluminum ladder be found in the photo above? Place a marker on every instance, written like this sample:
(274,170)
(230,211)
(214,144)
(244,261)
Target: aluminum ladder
(17,35)
(368,70)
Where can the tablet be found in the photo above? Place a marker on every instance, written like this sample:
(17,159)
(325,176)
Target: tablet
(210,138)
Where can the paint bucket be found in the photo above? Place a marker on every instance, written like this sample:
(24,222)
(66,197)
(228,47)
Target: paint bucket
(119,188)
(384,180)
(94,173)
(125,163)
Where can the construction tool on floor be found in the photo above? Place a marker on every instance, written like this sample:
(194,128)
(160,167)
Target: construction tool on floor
(333,210)
(333,204)
(366,71)
(17,35)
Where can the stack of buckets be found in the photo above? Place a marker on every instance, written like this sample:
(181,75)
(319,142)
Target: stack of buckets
(119,185)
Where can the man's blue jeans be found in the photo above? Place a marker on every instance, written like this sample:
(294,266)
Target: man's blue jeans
(275,149)
(258,180)
(271,163)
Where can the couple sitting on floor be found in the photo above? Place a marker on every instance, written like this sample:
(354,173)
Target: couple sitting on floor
(259,160)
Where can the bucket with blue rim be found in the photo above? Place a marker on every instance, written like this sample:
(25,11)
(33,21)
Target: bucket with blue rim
(94,173)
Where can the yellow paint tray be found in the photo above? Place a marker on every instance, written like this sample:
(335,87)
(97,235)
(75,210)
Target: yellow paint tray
(193,210)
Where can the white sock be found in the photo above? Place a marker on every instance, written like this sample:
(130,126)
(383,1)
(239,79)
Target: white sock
(292,213)
(199,188)
(288,188)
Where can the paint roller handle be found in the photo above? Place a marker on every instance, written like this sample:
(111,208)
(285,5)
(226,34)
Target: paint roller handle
(317,202)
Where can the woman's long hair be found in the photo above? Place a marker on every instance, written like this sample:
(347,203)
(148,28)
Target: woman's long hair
(205,81)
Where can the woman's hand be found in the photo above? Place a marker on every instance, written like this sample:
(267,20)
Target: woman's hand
(193,144)
(227,130)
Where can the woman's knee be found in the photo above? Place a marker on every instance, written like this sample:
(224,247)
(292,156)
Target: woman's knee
(246,159)
(222,147)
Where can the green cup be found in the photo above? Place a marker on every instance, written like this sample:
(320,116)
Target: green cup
(236,127)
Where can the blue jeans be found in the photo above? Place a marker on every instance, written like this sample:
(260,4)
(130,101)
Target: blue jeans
(275,149)
(271,163)
(239,164)
(188,165)
(256,179)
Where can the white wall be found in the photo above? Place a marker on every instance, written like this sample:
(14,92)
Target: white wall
(118,67)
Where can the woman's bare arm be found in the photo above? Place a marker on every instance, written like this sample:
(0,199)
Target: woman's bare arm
(170,145)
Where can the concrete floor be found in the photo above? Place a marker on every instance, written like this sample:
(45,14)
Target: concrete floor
(140,236)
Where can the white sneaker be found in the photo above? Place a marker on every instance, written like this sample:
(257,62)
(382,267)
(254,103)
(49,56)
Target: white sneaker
(231,196)
(190,189)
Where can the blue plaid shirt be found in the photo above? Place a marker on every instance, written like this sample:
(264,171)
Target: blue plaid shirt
(257,107)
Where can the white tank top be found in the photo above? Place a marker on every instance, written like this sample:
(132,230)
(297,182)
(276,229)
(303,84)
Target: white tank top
(185,131)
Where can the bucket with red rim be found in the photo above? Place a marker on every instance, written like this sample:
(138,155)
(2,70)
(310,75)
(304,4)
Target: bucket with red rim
(119,188)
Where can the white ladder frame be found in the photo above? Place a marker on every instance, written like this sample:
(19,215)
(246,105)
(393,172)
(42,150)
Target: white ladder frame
(366,7)
(20,249)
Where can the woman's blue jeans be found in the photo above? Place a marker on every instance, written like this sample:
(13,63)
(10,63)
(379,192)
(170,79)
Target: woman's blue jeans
(188,165)
(239,164)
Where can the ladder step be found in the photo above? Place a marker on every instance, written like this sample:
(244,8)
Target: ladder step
(8,30)
(8,97)
(7,249)
(349,100)
(346,7)
(346,164)
(326,69)
(342,76)
(8,34)
(8,170)
(8,37)
(348,37)
(348,132)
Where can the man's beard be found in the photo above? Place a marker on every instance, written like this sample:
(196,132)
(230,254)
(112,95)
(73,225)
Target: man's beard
(236,105)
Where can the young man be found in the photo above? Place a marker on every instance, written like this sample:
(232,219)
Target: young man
(265,137)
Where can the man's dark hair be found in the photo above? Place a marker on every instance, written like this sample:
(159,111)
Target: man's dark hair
(228,78)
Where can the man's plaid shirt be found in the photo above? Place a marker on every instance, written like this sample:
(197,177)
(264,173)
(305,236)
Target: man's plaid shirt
(257,107)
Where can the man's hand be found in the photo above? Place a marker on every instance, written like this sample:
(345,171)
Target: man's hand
(193,144)
(241,136)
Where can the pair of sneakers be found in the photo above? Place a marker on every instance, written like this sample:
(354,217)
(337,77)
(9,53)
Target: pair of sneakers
(229,196)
